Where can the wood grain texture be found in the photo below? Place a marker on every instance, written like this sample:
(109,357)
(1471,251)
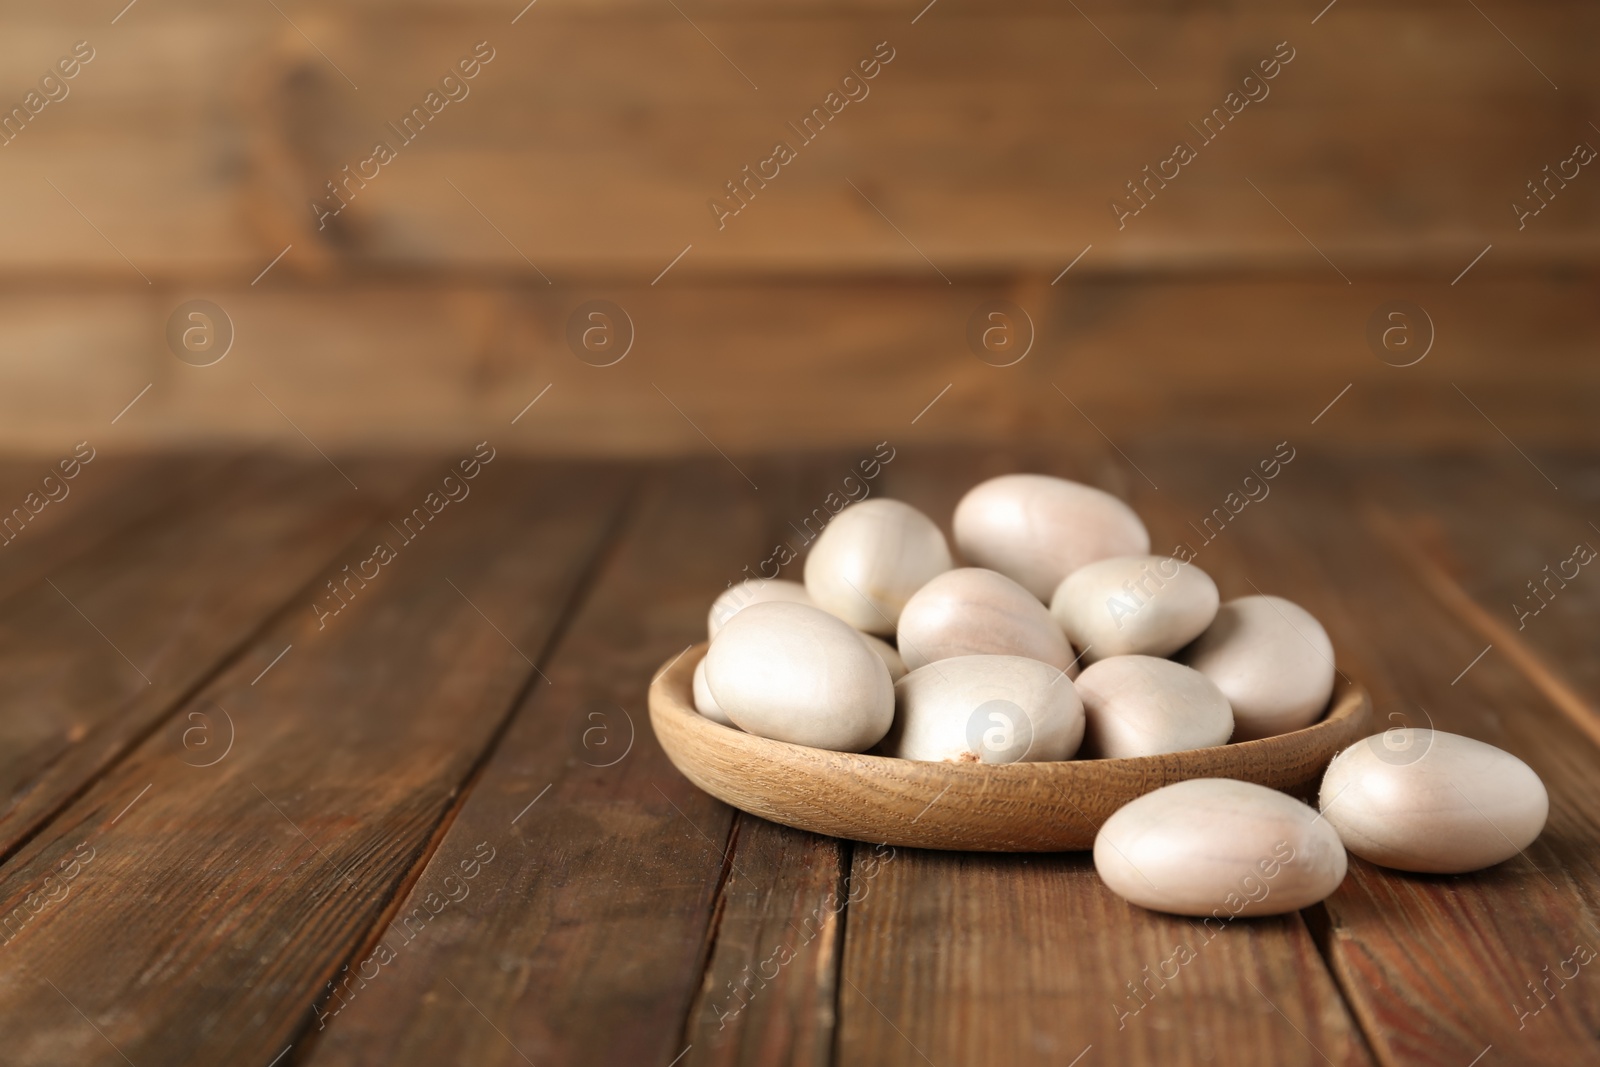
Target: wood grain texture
(772,366)
(233,892)
(618,907)
(111,494)
(1015,807)
(954,958)
(1398,133)
(1437,968)
(587,940)
(101,648)
(1486,529)
(770,990)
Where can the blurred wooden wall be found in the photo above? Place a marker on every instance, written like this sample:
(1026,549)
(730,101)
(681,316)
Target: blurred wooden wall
(836,305)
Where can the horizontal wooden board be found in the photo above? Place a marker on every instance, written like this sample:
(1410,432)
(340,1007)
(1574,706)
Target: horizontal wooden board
(194,141)
(747,366)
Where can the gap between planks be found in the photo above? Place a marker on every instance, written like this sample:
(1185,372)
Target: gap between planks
(708,950)
(841,892)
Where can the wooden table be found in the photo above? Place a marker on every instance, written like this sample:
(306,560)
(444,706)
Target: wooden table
(276,797)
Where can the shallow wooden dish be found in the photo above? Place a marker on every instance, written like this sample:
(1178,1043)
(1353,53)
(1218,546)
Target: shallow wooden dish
(1017,807)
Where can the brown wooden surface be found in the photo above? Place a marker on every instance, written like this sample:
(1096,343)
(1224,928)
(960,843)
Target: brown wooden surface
(100,647)
(1382,165)
(607,911)
(596,136)
(802,363)
(770,993)
(279,861)
(108,495)
(587,944)
(263,828)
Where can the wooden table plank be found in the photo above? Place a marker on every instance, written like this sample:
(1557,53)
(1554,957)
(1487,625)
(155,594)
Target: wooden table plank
(219,901)
(1481,528)
(585,941)
(1436,967)
(100,649)
(958,958)
(97,503)
(770,989)
(433,357)
(1029,959)
(603,920)
(221,143)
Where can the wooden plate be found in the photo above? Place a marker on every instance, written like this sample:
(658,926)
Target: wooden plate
(1016,807)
